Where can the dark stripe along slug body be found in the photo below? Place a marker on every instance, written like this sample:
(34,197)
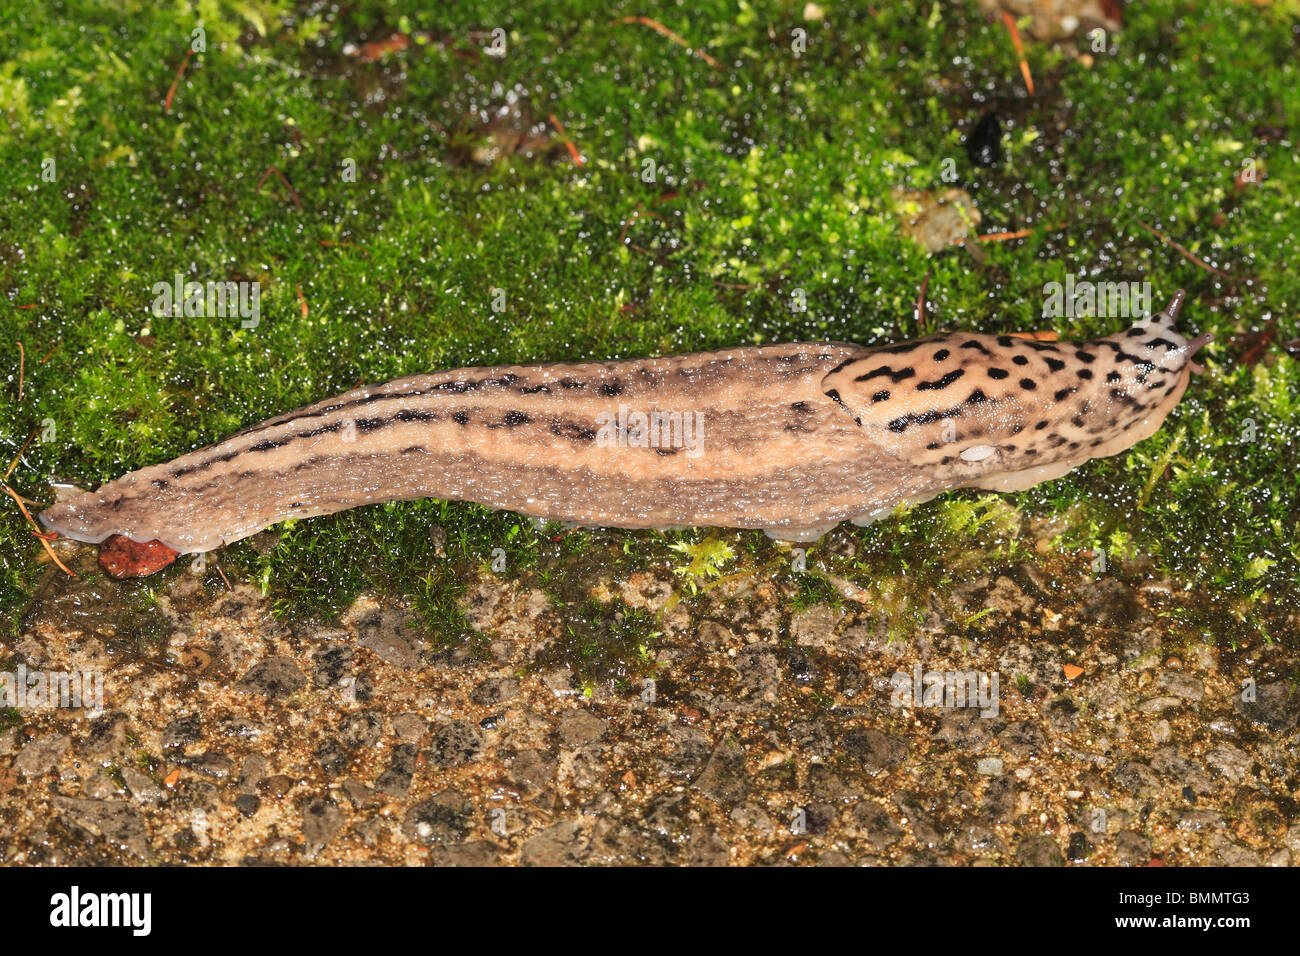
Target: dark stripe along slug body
(791,438)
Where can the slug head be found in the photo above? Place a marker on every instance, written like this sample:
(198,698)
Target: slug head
(1007,412)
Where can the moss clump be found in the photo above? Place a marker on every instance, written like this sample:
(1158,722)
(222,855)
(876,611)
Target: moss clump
(715,206)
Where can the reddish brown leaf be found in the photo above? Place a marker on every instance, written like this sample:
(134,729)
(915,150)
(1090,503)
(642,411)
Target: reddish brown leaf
(120,557)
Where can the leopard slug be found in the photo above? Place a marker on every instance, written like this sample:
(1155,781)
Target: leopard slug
(788,438)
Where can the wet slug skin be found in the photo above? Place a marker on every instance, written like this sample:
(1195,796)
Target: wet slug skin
(788,438)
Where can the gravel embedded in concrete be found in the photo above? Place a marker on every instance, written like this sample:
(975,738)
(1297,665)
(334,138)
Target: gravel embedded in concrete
(773,735)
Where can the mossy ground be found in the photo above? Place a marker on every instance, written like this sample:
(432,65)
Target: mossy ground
(773,173)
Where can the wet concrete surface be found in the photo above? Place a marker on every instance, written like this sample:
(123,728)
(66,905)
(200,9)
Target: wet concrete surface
(770,732)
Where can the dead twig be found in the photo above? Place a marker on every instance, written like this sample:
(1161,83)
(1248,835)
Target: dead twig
(1017,234)
(44,542)
(171,91)
(1014,30)
(661,29)
(1042,335)
(637,213)
(292,192)
(1004,236)
(1186,253)
(573,150)
(18,457)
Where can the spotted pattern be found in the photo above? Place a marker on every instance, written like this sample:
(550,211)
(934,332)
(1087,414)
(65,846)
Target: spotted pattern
(952,395)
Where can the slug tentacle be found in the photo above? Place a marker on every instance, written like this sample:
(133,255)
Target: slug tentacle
(1169,316)
(788,438)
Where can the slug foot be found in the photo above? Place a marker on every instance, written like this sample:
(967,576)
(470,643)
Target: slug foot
(800,535)
(871,517)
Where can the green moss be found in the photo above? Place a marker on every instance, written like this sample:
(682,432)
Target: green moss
(10,717)
(773,182)
(604,643)
(702,561)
